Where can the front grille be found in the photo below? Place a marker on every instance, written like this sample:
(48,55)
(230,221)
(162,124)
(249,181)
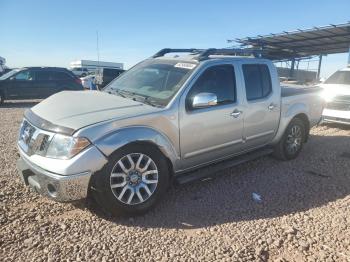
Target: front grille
(335,105)
(336,119)
(33,140)
(345,99)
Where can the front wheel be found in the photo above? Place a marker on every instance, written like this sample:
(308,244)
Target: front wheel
(292,141)
(133,181)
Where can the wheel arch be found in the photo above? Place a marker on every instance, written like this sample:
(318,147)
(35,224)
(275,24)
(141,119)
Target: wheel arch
(296,111)
(139,135)
(303,117)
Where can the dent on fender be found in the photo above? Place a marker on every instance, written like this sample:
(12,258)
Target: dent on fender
(113,141)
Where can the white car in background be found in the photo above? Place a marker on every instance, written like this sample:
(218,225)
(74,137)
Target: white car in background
(80,71)
(337,95)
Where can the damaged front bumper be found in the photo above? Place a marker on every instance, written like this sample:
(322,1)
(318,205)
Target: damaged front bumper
(57,187)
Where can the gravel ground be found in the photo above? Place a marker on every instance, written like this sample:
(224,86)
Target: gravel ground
(304,214)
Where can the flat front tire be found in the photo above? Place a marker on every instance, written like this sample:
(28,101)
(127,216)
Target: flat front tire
(134,179)
(292,140)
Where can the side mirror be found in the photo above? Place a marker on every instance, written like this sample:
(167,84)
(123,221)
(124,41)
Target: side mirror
(203,100)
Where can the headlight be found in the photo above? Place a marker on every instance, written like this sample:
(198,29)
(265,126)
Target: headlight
(65,147)
(328,95)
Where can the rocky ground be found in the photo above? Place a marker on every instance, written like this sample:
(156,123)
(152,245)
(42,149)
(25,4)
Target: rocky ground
(303,215)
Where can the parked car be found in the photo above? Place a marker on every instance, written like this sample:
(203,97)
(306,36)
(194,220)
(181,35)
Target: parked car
(337,94)
(36,82)
(165,119)
(80,71)
(105,75)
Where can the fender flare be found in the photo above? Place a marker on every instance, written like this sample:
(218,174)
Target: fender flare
(286,117)
(111,142)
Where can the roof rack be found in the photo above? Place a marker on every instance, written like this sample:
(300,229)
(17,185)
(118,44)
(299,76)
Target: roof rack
(178,50)
(203,54)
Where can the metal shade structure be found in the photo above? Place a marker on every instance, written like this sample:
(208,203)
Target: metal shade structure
(300,44)
(324,40)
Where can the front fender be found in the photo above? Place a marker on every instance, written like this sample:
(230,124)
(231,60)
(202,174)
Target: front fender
(121,137)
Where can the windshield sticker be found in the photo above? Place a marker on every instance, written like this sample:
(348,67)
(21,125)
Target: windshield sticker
(185,65)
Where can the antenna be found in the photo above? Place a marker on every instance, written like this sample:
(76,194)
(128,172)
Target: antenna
(97,49)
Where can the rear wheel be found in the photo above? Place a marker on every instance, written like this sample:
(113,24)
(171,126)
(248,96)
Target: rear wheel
(133,180)
(292,140)
(2,98)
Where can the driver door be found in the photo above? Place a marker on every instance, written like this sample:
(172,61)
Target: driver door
(214,132)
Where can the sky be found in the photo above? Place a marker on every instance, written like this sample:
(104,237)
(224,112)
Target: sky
(55,33)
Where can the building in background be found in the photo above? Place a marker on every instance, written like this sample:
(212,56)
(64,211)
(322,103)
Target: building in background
(84,67)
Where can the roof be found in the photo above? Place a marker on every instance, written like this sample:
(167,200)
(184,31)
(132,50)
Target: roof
(324,40)
(205,54)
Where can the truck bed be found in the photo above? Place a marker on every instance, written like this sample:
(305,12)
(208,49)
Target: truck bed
(292,90)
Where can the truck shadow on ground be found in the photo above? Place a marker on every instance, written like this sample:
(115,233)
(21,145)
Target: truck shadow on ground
(318,176)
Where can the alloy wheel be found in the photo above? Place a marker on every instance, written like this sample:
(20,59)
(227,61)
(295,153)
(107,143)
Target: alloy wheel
(294,140)
(134,178)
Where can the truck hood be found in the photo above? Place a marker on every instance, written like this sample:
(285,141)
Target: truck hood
(77,109)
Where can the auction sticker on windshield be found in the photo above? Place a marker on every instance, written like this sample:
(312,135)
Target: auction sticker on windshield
(185,65)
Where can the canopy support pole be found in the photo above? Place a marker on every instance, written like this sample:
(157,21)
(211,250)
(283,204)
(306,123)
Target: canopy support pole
(291,72)
(319,67)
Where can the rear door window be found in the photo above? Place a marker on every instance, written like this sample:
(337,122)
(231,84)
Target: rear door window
(43,75)
(257,81)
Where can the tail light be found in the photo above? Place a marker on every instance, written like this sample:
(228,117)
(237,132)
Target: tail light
(78,81)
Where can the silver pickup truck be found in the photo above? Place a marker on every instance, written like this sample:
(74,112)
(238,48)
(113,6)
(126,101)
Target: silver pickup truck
(170,117)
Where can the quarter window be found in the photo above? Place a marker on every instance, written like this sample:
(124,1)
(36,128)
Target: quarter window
(257,81)
(219,80)
(60,76)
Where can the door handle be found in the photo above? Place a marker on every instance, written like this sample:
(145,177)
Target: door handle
(271,107)
(236,113)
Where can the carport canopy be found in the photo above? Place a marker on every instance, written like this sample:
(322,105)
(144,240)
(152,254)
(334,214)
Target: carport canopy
(305,43)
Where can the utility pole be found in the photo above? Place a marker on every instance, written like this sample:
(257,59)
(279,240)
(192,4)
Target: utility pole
(97,49)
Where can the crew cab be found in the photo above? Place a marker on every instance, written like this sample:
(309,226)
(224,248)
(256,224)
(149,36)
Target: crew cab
(337,95)
(168,118)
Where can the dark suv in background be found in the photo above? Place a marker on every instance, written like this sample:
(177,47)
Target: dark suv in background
(105,75)
(37,83)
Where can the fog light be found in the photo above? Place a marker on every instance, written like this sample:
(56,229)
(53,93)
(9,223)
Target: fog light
(52,190)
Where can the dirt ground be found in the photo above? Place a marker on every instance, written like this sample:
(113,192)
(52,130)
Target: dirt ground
(303,215)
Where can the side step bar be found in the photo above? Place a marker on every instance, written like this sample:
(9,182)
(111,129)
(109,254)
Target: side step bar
(211,170)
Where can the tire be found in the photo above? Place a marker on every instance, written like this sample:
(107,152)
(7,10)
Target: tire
(292,141)
(116,202)
(2,98)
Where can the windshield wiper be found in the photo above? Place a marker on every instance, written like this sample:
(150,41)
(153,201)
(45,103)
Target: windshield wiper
(117,92)
(147,100)
(128,94)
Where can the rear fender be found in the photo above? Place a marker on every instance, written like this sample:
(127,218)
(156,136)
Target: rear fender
(287,116)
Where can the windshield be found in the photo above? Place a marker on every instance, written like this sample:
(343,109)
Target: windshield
(9,74)
(153,81)
(339,77)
